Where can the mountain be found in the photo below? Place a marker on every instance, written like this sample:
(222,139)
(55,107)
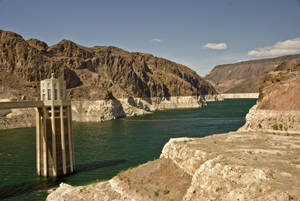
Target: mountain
(92,73)
(246,76)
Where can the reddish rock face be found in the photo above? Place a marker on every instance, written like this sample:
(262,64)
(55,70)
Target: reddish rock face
(280,91)
(278,106)
(92,73)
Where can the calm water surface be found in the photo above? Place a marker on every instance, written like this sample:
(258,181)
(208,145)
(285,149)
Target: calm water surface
(103,149)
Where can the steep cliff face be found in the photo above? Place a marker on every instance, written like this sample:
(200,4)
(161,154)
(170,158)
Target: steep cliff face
(91,73)
(246,76)
(280,91)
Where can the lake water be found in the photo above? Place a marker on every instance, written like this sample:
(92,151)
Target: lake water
(104,149)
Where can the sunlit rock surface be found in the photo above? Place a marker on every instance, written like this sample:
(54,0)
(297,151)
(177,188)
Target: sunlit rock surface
(233,166)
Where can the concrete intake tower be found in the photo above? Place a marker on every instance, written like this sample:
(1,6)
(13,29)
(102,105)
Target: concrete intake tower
(54,137)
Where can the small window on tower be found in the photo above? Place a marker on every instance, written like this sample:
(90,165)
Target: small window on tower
(49,94)
(44,96)
(55,94)
(62,94)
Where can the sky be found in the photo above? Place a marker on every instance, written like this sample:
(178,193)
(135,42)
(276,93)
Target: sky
(197,33)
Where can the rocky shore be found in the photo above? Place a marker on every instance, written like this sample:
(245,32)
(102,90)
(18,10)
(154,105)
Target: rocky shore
(101,110)
(18,118)
(233,166)
(239,95)
(272,121)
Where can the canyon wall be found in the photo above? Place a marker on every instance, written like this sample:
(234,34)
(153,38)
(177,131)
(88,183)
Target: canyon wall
(278,106)
(92,73)
(101,80)
(246,76)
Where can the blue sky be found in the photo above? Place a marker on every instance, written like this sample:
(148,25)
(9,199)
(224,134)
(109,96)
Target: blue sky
(196,33)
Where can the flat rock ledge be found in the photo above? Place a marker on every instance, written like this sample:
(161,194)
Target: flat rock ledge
(237,166)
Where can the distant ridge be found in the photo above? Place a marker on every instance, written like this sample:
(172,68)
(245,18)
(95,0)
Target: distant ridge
(245,76)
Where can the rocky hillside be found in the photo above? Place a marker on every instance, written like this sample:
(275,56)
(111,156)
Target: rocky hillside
(278,106)
(290,65)
(246,76)
(280,91)
(92,73)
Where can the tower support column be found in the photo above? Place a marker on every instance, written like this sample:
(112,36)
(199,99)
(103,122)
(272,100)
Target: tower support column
(70,137)
(63,145)
(54,139)
(38,141)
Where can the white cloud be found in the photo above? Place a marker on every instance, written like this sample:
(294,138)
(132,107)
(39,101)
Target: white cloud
(216,46)
(156,40)
(291,46)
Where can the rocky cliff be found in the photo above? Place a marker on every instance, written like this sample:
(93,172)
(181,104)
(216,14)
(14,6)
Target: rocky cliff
(278,107)
(93,73)
(257,163)
(103,82)
(246,76)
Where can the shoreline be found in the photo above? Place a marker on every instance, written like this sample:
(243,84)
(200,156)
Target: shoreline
(239,95)
(104,110)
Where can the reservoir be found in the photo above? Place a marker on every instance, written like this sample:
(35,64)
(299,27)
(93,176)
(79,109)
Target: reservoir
(104,149)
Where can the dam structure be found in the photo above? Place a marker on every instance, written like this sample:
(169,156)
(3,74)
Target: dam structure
(54,137)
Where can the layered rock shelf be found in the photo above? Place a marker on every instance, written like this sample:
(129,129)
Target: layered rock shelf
(272,121)
(233,166)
